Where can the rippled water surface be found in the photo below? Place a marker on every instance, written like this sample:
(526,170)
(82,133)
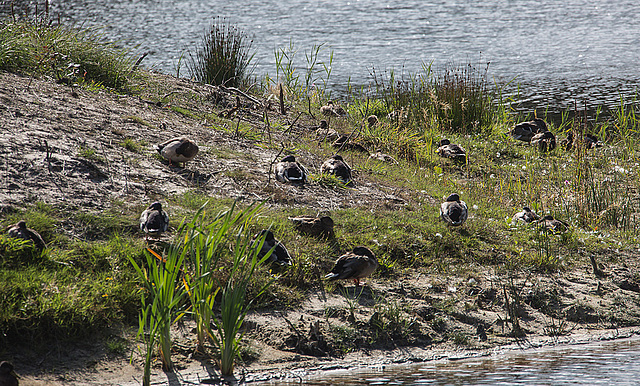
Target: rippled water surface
(612,363)
(558,51)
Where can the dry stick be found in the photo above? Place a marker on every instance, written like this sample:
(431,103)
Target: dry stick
(274,161)
(310,113)
(293,123)
(268,124)
(282,110)
(237,91)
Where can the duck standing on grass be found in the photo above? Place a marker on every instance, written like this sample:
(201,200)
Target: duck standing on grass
(331,110)
(20,231)
(279,256)
(8,377)
(289,170)
(180,149)
(453,211)
(338,167)
(524,131)
(154,221)
(357,264)
(447,149)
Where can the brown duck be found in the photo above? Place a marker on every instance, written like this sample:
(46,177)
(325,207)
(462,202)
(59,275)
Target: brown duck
(20,231)
(357,264)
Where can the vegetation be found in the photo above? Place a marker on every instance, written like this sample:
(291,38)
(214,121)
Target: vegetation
(97,271)
(36,46)
(224,57)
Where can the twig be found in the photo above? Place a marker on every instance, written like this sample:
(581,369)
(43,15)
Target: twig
(282,110)
(274,161)
(244,94)
(293,123)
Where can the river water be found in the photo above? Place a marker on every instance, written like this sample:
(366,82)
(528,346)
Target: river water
(557,52)
(604,363)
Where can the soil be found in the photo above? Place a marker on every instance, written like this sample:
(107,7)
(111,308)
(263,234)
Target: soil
(63,146)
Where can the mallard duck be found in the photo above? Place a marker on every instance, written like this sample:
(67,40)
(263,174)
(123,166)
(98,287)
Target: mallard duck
(554,225)
(324,133)
(332,110)
(289,170)
(447,149)
(20,231)
(527,216)
(545,141)
(357,264)
(344,143)
(279,256)
(380,156)
(524,131)
(372,120)
(314,226)
(178,150)
(453,211)
(589,141)
(154,221)
(8,377)
(338,167)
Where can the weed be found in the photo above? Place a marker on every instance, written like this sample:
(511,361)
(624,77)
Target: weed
(131,145)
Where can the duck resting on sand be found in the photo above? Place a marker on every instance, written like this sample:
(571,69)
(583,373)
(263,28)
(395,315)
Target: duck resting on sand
(180,149)
(453,211)
(338,167)
(289,170)
(357,264)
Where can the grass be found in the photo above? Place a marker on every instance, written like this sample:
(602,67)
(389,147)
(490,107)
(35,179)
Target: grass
(86,280)
(36,46)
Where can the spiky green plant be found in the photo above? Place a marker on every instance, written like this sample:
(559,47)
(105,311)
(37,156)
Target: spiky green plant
(224,58)
(160,303)
(234,305)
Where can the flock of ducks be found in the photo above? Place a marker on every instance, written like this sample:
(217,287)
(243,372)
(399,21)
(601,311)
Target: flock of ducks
(360,262)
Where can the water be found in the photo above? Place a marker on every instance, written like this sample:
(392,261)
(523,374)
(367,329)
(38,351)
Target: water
(558,52)
(610,363)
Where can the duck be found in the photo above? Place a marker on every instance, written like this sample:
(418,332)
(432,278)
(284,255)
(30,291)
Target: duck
(545,141)
(589,141)
(154,220)
(357,264)
(331,110)
(179,149)
(280,256)
(325,133)
(553,225)
(20,231)
(526,216)
(8,377)
(343,142)
(289,170)
(372,121)
(380,156)
(453,211)
(338,167)
(524,131)
(314,226)
(447,149)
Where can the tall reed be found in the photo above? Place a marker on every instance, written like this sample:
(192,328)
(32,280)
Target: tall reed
(224,57)
(234,305)
(161,302)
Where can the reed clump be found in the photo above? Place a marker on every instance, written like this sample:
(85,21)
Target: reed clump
(224,56)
